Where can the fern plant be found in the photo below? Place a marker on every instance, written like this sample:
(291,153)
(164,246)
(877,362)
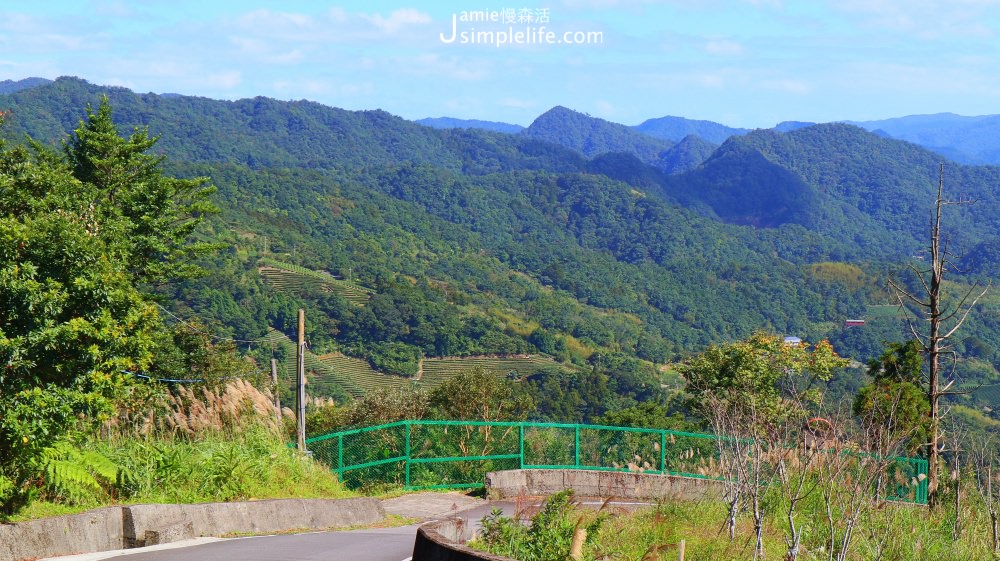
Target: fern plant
(76,475)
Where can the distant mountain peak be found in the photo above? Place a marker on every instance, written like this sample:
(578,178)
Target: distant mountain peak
(676,128)
(11,86)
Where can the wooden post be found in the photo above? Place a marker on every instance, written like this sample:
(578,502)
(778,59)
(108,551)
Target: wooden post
(274,388)
(300,384)
(680,549)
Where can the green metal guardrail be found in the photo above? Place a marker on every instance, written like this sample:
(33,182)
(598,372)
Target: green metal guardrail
(458,454)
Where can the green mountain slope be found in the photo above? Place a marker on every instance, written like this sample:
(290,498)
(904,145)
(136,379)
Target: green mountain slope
(480,243)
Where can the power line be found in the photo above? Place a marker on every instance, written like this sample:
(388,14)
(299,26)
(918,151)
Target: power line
(207,334)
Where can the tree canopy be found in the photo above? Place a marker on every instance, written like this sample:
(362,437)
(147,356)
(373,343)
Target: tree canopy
(79,234)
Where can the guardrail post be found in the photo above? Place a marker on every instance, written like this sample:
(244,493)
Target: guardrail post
(520,439)
(407,482)
(576,445)
(663,452)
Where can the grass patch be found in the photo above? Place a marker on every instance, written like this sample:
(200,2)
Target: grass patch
(217,466)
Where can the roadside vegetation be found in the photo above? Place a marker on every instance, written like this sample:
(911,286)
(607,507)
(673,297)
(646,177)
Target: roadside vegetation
(87,234)
(890,532)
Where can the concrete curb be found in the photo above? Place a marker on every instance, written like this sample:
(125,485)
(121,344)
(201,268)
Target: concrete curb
(126,527)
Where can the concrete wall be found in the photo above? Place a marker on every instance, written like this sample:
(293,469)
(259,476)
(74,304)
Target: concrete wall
(138,525)
(445,541)
(97,530)
(621,485)
(142,522)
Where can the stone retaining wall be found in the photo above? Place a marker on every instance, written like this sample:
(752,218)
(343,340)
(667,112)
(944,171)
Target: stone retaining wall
(125,527)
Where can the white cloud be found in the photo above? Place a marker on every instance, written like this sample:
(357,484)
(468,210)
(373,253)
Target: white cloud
(924,19)
(605,4)
(293,56)
(431,64)
(117,9)
(398,20)
(710,80)
(723,47)
(605,108)
(787,85)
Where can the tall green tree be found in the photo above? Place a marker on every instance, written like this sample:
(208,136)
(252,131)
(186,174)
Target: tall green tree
(147,217)
(78,237)
(893,406)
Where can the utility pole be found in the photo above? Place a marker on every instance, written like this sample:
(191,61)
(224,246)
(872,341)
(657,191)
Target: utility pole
(274,389)
(300,384)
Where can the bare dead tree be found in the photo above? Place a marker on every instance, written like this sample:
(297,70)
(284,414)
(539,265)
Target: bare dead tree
(943,320)
(747,458)
(733,450)
(852,467)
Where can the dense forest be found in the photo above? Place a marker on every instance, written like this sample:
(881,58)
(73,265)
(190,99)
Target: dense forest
(612,251)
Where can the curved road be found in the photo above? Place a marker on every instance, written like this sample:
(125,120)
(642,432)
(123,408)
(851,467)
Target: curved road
(379,544)
(384,544)
(376,544)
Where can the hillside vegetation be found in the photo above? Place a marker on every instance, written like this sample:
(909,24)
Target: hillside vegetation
(480,243)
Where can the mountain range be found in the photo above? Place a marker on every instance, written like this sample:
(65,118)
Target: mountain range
(574,237)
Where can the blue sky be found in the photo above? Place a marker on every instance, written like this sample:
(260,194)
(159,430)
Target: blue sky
(748,63)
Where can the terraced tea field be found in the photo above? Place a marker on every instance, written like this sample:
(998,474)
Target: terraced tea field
(335,374)
(295,278)
(325,380)
(361,373)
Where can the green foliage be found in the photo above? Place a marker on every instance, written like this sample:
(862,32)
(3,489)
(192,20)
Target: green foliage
(474,240)
(592,137)
(77,233)
(150,217)
(651,415)
(479,395)
(894,403)
(901,362)
(900,409)
(759,374)
(75,474)
(547,538)
(253,463)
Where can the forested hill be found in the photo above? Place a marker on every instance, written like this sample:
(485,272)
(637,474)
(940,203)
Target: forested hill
(477,242)
(263,132)
(591,136)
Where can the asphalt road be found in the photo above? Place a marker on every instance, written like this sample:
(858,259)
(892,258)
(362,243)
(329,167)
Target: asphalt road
(383,544)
